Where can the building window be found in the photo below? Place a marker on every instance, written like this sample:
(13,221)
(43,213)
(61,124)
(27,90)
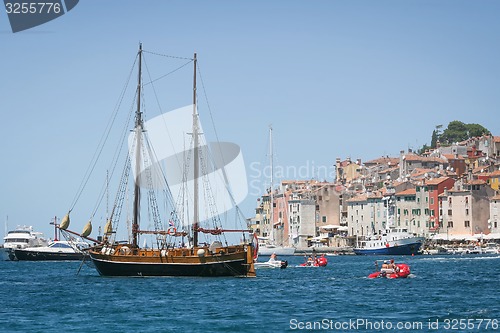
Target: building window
(467,224)
(324,219)
(450,211)
(450,224)
(467,211)
(432,201)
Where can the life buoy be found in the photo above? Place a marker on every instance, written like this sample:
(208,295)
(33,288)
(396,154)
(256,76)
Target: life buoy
(386,244)
(171,231)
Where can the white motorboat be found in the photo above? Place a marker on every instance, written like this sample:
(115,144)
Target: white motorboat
(491,248)
(271,263)
(57,250)
(20,238)
(267,248)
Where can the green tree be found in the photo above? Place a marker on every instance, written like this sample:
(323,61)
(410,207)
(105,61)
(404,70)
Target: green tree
(434,139)
(477,130)
(458,131)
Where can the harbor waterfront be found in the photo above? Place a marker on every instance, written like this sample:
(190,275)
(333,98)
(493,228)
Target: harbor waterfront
(445,290)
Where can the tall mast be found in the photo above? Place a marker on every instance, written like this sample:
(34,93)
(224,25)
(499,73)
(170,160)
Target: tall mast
(138,134)
(271,196)
(196,170)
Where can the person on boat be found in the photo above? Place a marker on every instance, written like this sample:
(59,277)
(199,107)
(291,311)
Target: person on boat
(393,266)
(273,256)
(385,265)
(310,261)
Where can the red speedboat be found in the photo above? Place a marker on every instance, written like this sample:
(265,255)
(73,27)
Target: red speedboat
(318,262)
(400,271)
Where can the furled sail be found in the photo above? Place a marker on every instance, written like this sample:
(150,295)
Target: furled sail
(65,222)
(87,229)
(108,228)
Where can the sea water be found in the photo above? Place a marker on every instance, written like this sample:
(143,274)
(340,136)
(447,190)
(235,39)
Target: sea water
(443,294)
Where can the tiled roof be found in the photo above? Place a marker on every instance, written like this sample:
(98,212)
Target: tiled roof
(375,195)
(453,157)
(476,182)
(436,181)
(414,157)
(359,198)
(410,191)
(495,174)
(384,160)
(389,170)
(420,172)
(480,169)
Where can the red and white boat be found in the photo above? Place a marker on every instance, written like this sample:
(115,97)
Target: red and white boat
(398,271)
(316,262)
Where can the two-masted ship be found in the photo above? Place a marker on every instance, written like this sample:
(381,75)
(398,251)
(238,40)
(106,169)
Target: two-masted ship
(176,250)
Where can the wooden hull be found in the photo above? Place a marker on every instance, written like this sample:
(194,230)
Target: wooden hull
(121,261)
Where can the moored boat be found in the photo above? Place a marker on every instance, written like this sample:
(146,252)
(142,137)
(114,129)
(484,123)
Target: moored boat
(57,250)
(20,238)
(269,245)
(491,248)
(392,241)
(267,248)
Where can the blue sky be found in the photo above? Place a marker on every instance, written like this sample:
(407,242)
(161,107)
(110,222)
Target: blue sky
(355,79)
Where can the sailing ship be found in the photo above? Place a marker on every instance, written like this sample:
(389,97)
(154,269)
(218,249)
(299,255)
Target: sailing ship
(268,245)
(176,249)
